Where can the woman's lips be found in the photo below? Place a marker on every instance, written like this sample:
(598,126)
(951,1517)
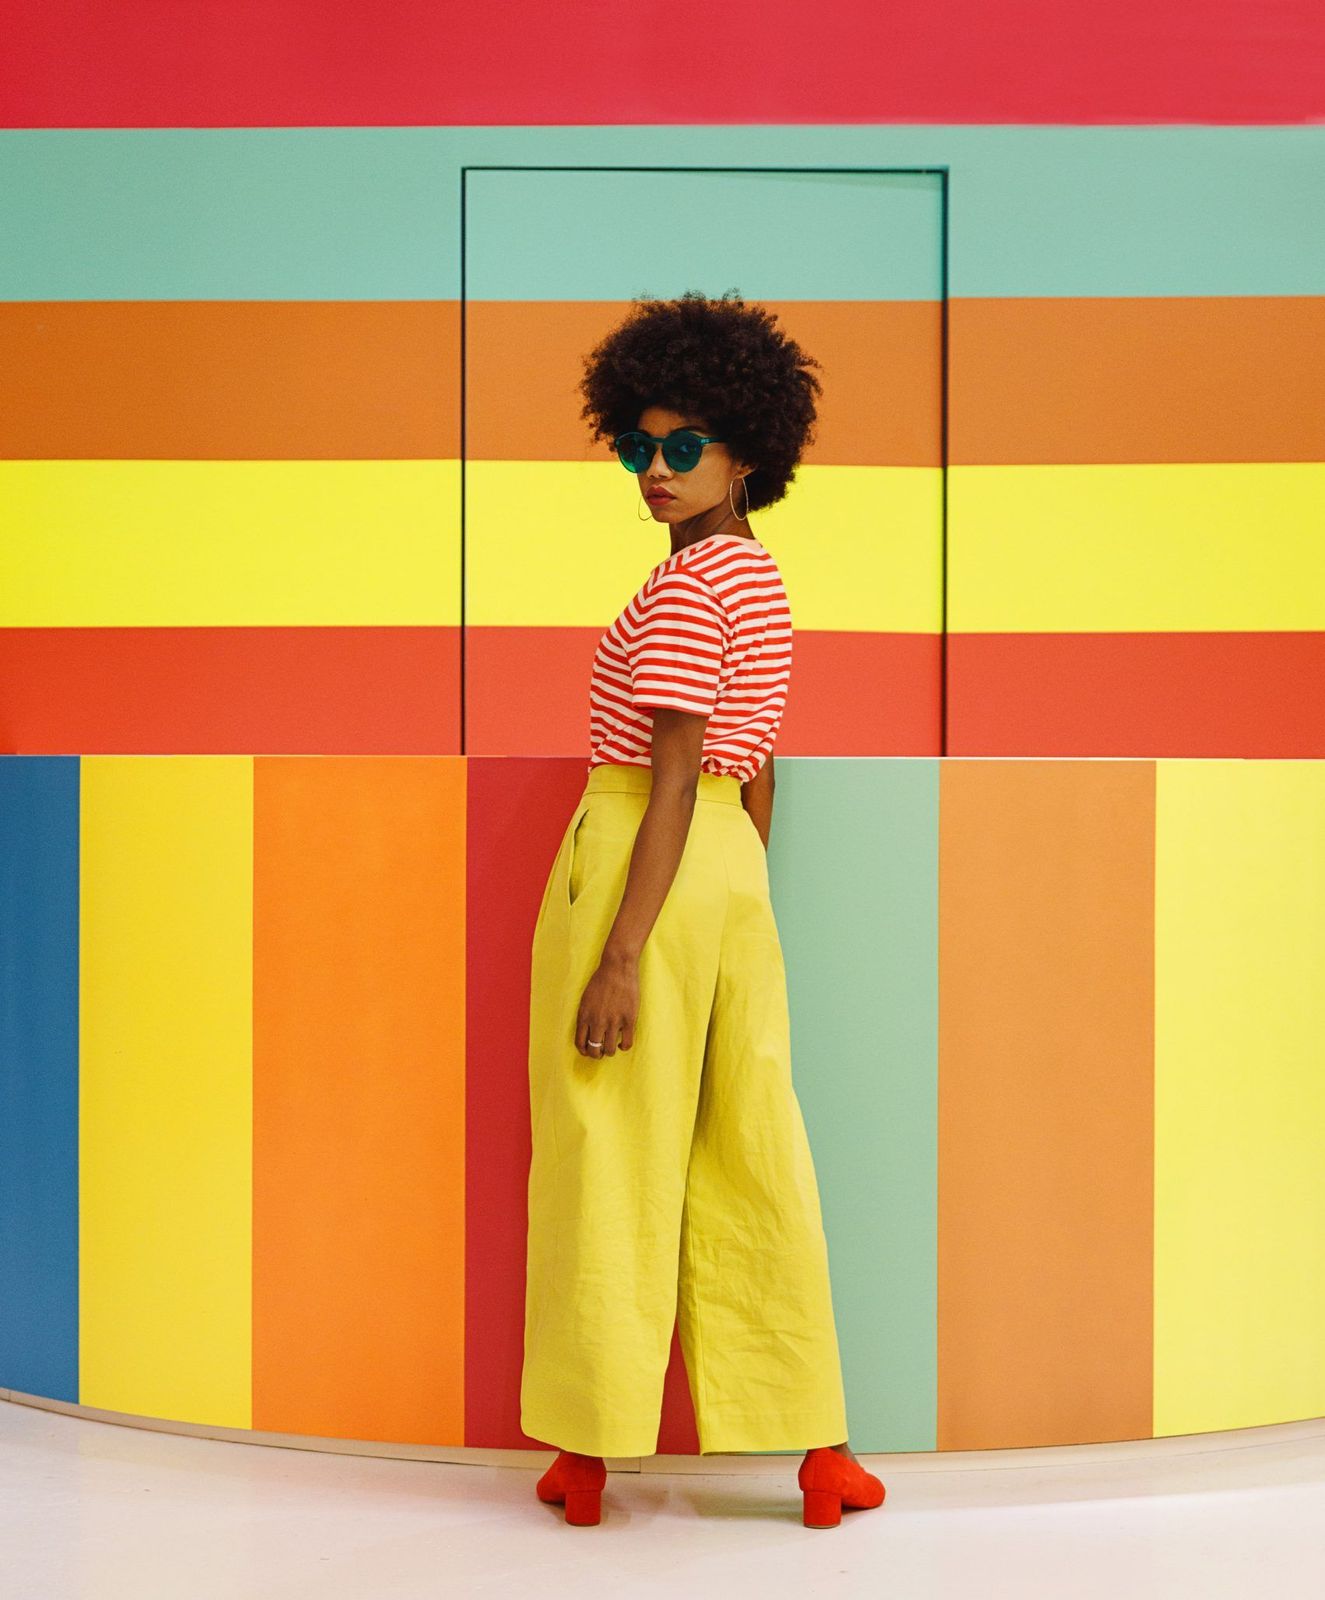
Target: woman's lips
(658,496)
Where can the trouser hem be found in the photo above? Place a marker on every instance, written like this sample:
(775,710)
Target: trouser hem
(802,1431)
(805,1431)
(619,1440)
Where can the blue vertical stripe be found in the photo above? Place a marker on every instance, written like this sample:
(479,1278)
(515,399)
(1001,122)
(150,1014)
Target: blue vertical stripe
(39,870)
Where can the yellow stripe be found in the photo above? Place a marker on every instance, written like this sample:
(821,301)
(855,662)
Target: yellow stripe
(560,543)
(555,543)
(165,1017)
(1239,1094)
(377,543)
(1137,548)
(229,543)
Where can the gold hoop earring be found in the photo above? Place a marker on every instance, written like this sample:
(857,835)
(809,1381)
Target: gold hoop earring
(732,502)
(648,515)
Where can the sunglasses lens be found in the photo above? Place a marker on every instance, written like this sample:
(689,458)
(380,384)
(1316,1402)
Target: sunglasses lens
(633,451)
(682,451)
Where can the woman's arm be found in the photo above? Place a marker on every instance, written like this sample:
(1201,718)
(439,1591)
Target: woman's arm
(678,745)
(757,798)
(610,1002)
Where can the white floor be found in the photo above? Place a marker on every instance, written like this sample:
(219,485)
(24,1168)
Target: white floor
(91,1510)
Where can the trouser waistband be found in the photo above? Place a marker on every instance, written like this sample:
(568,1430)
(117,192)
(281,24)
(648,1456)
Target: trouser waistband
(723,787)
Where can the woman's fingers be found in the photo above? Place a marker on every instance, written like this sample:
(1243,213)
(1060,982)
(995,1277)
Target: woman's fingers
(605,1019)
(618,1033)
(591,1025)
(599,1028)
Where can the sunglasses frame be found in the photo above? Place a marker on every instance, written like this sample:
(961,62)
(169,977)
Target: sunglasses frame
(655,440)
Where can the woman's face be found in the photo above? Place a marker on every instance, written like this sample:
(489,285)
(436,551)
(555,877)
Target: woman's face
(704,486)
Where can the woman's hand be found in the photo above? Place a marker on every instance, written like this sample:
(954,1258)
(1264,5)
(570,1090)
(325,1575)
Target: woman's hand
(610,1003)
(609,1007)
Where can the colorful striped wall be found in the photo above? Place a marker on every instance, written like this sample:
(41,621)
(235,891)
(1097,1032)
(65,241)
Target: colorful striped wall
(300,471)
(1056,1033)
(303,558)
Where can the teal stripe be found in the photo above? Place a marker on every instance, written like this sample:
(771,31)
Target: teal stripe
(374,213)
(853,864)
(773,235)
(40,811)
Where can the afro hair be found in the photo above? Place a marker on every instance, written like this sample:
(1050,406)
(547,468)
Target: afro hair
(725,361)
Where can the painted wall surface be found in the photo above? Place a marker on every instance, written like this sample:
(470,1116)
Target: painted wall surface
(304,63)
(1056,1033)
(235,491)
(290,468)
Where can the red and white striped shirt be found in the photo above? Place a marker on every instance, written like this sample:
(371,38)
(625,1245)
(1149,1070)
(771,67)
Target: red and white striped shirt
(709,631)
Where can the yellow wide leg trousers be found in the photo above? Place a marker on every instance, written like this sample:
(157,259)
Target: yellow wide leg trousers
(672,1183)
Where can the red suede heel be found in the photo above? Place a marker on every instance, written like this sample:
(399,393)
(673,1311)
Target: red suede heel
(584,1507)
(578,1481)
(823,1509)
(830,1481)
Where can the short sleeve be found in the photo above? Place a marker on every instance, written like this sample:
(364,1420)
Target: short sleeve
(676,644)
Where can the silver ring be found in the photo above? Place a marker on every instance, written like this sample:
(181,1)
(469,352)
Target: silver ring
(594,1044)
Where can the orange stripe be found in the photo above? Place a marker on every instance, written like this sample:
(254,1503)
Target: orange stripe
(1059,379)
(1046,1084)
(359,1098)
(351,380)
(879,364)
(1217,378)
(231,380)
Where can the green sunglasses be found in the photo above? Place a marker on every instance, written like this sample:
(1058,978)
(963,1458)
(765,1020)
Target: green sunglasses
(681,448)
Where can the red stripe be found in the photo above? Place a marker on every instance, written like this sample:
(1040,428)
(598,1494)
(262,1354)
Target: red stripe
(319,63)
(361,690)
(516,809)
(1253,695)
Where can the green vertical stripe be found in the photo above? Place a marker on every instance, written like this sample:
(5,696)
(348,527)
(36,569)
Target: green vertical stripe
(853,863)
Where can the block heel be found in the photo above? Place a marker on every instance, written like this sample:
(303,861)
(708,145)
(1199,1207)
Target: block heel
(823,1508)
(577,1481)
(830,1481)
(584,1507)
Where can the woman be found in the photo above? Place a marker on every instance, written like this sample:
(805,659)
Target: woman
(671,1179)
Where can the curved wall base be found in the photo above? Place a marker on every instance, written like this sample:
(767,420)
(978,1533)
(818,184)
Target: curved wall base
(901,1461)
